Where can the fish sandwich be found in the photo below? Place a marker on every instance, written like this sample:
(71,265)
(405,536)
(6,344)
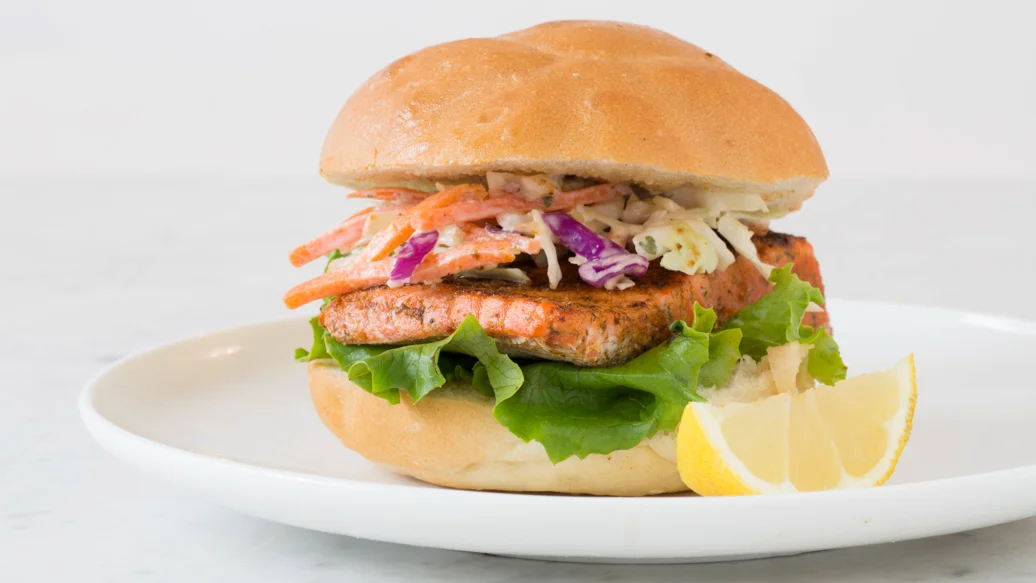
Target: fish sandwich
(569,242)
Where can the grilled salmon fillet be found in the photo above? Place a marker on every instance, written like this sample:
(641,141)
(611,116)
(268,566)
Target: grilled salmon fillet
(576,322)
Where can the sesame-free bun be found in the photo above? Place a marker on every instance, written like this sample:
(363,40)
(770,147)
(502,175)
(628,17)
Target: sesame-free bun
(604,100)
(451,439)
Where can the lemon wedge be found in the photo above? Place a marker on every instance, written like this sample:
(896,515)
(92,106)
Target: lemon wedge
(849,435)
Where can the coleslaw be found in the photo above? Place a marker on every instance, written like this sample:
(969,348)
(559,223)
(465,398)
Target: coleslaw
(610,231)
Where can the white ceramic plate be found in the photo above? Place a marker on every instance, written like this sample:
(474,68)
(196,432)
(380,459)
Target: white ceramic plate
(228,416)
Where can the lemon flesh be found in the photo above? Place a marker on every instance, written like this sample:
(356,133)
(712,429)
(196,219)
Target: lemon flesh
(849,435)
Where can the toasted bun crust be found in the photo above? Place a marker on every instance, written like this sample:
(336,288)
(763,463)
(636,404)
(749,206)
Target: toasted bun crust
(451,438)
(606,100)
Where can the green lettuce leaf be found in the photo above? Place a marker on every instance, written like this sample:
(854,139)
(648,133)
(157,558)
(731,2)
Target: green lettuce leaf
(418,369)
(824,361)
(331,257)
(318,350)
(776,318)
(723,355)
(580,411)
(723,349)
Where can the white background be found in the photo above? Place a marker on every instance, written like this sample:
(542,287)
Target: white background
(928,90)
(158,161)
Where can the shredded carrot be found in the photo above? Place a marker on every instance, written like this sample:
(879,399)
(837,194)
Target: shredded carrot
(358,275)
(400,230)
(363,275)
(342,236)
(388,239)
(460,205)
(477,234)
(468,211)
(589,195)
(392,194)
(462,258)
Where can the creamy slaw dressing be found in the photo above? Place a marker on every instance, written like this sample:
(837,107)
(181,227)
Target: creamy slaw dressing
(685,229)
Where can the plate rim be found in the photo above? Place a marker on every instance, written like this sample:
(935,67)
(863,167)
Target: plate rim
(95,420)
(128,446)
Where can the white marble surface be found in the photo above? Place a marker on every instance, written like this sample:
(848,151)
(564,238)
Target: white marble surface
(95,267)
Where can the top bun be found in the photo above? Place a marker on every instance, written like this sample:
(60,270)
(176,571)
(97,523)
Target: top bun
(604,100)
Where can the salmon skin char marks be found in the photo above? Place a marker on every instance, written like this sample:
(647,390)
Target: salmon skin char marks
(575,323)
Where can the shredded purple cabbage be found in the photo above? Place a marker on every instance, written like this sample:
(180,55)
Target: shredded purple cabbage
(410,255)
(606,260)
(580,238)
(597,273)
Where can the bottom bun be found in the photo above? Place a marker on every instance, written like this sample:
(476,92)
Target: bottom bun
(451,439)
